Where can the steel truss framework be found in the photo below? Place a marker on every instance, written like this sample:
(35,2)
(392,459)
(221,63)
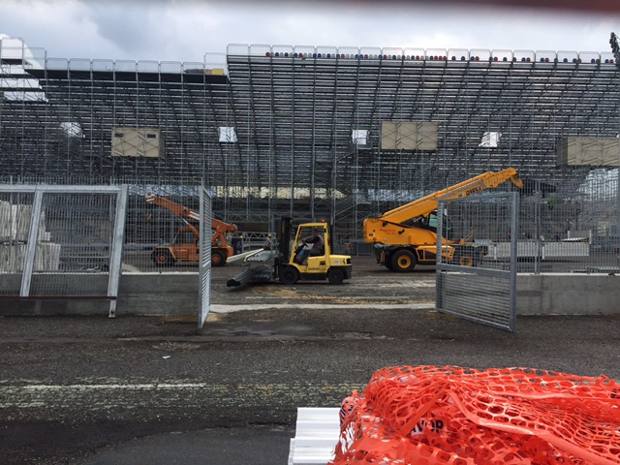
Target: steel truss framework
(293,110)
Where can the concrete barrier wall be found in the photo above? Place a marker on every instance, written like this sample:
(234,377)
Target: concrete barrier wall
(139,294)
(158,294)
(176,293)
(568,294)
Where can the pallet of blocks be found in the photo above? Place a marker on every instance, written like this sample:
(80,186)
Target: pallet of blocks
(14,231)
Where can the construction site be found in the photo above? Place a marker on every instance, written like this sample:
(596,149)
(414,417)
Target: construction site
(204,259)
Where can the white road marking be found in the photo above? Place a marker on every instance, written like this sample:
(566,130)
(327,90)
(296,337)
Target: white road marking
(84,387)
(102,397)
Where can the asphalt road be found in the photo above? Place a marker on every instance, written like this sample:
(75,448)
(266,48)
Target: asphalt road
(145,391)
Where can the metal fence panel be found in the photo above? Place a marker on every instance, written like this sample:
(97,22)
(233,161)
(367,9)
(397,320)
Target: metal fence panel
(206,216)
(75,252)
(65,241)
(473,283)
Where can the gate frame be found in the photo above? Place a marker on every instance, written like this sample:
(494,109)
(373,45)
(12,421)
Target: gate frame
(441,267)
(204,264)
(118,237)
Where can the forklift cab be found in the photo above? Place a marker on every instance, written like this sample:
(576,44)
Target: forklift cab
(311,248)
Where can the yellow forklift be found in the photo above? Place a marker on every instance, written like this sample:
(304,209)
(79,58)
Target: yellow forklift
(308,257)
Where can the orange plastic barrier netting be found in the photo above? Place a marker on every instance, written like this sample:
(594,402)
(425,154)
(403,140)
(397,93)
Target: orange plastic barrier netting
(428,415)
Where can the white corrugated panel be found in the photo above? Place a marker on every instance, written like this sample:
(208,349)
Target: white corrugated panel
(316,434)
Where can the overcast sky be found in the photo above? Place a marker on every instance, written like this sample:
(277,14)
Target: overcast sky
(184,31)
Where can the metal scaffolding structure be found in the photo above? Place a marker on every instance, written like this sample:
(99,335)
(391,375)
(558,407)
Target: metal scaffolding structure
(297,130)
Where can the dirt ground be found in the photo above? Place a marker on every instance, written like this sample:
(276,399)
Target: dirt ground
(370,284)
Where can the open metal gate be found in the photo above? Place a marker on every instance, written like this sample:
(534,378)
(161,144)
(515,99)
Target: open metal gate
(204,274)
(477,258)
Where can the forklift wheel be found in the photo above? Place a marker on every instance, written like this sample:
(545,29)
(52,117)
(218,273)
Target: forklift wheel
(402,261)
(288,275)
(218,258)
(162,258)
(335,276)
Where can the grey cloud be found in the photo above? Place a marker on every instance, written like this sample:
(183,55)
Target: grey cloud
(178,30)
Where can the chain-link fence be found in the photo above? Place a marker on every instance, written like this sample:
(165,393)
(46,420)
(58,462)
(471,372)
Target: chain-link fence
(474,281)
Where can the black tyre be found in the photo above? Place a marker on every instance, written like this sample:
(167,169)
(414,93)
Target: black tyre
(288,275)
(402,261)
(218,258)
(335,276)
(162,258)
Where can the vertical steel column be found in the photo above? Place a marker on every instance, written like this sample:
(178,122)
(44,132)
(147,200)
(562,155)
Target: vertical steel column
(2,100)
(116,254)
(292,201)
(31,247)
(313,156)
(439,257)
(538,203)
(514,235)
(247,170)
(617,215)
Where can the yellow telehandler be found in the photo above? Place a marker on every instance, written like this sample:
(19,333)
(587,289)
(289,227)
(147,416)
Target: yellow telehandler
(407,235)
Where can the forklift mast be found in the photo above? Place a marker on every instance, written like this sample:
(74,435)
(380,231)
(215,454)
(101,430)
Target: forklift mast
(284,237)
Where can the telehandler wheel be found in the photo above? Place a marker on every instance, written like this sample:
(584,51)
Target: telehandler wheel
(162,258)
(217,258)
(403,261)
(288,275)
(335,276)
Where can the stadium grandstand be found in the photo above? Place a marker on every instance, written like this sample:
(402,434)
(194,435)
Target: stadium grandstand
(311,132)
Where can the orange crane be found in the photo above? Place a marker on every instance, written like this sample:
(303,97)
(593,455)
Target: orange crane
(185,248)
(407,235)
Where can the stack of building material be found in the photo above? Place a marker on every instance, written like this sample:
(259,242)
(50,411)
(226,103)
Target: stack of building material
(546,250)
(14,230)
(46,258)
(15,223)
(316,434)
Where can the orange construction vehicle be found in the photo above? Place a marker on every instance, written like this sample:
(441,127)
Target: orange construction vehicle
(185,247)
